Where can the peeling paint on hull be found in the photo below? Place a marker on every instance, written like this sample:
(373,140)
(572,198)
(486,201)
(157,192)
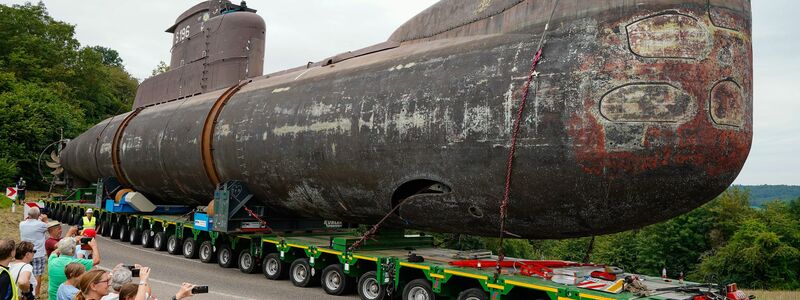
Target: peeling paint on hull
(338,141)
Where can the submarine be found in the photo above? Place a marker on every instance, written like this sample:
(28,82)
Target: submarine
(638,112)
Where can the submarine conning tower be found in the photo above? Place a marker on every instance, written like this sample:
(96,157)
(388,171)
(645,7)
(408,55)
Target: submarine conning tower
(215,44)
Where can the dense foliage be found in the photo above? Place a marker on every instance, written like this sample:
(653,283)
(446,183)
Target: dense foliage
(725,240)
(49,83)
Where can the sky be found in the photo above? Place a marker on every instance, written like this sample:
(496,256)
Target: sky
(311,30)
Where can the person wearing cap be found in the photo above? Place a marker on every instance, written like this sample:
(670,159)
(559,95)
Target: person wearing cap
(55,231)
(32,229)
(88,221)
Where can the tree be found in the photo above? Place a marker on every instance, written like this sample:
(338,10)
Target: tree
(755,257)
(160,68)
(110,57)
(8,170)
(48,82)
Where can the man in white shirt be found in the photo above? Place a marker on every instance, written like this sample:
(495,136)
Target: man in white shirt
(33,229)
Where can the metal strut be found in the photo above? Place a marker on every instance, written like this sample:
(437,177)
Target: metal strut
(513,147)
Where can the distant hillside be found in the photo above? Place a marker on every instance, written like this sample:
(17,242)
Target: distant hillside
(763,193)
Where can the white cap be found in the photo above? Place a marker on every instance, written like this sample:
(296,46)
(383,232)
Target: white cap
(88,211)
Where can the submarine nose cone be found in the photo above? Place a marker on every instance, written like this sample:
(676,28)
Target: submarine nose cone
(670,130)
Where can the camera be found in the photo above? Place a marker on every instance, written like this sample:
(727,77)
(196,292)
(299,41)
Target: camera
(134,271)
(85,240)
(200,289)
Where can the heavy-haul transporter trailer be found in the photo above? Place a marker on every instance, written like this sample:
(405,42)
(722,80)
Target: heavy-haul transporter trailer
(391,265)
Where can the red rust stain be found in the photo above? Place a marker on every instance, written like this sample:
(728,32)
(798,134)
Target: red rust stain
(695,142)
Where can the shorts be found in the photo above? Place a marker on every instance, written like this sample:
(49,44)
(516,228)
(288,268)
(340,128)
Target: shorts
(38,264)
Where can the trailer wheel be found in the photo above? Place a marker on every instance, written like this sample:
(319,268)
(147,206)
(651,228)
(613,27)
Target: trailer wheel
(247,262)
(124,231)
(206,252)
(226,257)
(135,236)
(173,246)
(99,228)
(301,274)
(369,288)
(473,294)
(159,241)
(147,239)
(106,226)
(418,289)
(189,247)
(274,268)
(114,231)
(335,282)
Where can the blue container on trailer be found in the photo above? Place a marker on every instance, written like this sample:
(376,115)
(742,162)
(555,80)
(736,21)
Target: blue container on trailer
(203,222)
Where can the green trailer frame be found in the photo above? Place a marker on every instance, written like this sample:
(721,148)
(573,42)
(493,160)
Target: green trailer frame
(386,256)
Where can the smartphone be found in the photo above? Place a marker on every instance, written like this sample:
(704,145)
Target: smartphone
(85,240)
(200,289)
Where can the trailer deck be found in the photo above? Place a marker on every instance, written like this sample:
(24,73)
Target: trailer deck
(390,264)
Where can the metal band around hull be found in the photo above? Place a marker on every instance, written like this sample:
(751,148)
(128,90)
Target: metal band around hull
(208,131)
(115,160)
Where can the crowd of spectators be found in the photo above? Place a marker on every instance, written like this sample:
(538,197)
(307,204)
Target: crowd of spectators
(72,266)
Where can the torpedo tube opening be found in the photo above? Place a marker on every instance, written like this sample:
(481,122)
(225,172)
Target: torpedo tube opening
(417,187)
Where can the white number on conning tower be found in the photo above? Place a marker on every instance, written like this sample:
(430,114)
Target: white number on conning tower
(182,34)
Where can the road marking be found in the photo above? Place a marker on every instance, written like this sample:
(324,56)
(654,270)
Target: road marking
(178,285)
(152,252)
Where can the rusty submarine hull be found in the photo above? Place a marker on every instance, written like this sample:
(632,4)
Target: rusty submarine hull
(639,112)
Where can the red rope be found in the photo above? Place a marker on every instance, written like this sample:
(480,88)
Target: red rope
(262,221)
(513,148)
(510,161)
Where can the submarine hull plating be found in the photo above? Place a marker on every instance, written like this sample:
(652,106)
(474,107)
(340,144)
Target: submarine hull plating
(639,113)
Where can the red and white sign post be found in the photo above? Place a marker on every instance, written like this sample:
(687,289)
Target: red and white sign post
(11,193)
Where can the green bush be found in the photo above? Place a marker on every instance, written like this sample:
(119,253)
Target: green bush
(8,170)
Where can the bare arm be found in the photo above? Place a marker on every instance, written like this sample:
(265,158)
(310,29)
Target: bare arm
(24,282)
(144,288)
(95,252)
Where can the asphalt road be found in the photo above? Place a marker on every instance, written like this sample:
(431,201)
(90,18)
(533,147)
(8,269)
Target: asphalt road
(169,271)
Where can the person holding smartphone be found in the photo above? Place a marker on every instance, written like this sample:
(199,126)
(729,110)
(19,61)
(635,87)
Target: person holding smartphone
(142,290)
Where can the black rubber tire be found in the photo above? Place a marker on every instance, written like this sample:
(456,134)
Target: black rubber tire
(99,229)
(135,236)
(226,257)
(189,248)
(419,288)
(335,282)
(274,268)
(301,274)
(174,245)
(369,288)
(248,263)
(160,241)
(206,252)
(106,232)
(114,234)
(147,238)
(124,231)
(473,294)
